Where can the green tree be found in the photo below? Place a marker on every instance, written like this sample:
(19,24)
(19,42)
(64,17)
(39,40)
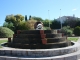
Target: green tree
(31,23)
(23,26)
(15,19)
(77,31)
(67,30)
(46,22)
(37,18)
(71,22)
(25,17)
(8,25)
(55,24)
(30,17)
(6,32)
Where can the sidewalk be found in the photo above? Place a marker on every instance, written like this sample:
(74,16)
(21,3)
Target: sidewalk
(3,38)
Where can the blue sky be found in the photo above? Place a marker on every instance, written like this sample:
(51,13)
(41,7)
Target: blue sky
(39,8)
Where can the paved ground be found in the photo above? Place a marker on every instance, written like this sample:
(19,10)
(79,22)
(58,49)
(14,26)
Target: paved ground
(3,38)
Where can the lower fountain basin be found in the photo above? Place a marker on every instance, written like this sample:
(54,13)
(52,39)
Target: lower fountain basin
(38,53)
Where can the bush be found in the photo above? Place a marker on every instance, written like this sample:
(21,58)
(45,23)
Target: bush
(67,30)
(31,23)
(77,31)
(46,28)
(23,26)
(5,32)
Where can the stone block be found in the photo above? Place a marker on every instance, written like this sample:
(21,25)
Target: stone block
(14,52)
(71,50)
(2,58)
(19,53)
(2,52)
(58,59)
(78,56)
(64,51)
(54,53)
(25,59)
(71,58)
(7,52)
(24,53)
(11,58)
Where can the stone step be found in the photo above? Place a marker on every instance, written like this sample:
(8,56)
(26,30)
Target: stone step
(36,35)
(32,31)
(37,40)
(39,46)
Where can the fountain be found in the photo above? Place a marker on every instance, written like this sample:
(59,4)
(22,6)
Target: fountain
(39,44)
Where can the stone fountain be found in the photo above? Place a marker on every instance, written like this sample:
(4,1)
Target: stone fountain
(39,44)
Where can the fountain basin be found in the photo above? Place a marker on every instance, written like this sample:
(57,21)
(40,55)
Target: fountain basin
(38,53)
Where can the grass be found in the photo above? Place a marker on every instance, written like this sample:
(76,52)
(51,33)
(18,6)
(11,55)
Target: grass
(2,41)
(73,38)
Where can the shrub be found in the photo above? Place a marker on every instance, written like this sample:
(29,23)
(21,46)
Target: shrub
(23,26)
(31,23)
(67,30)
(5,32)
(77,31)
(46,28)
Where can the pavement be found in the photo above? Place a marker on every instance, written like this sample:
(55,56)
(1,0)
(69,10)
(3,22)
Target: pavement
(3,38)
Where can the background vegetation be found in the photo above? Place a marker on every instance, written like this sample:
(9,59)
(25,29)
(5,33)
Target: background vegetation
(20,22)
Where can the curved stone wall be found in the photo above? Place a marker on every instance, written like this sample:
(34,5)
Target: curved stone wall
(40,52)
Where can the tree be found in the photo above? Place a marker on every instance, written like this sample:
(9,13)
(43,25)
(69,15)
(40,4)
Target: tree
(77,31)
(6,32)
(37,18)
(30,17)
(8,25)
(46,22)
(71,22)
(23,26)
(31,23)
(25,17)
(15,19)
(55,24)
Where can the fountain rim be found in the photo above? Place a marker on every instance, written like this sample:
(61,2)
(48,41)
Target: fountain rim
(76,44)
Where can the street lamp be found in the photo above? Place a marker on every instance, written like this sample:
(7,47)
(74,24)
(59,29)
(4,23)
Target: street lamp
(60,19)
(49,18)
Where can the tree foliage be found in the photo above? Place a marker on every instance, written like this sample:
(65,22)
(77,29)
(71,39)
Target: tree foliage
(55,24)
(15,20)
(23,26)
(77,31)
(26,18)
(37,18)
(46,22)
(6,32)
(71,22)
(67,30)
(30,17)
(8,25)
(31,23)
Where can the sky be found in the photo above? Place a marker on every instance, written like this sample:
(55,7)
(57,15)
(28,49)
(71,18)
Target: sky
(46,9)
